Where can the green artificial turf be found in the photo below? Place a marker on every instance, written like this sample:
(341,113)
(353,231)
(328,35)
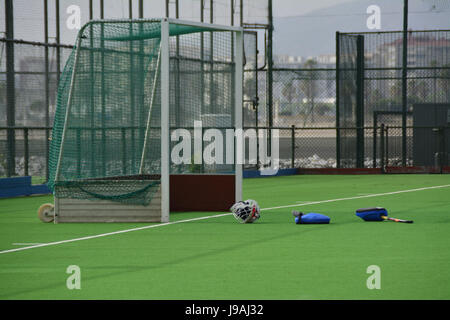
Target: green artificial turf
(218,258)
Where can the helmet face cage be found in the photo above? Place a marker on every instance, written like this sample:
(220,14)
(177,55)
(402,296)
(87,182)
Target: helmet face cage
(246,211)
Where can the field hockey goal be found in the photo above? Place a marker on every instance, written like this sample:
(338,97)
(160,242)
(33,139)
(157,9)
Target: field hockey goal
(126,89)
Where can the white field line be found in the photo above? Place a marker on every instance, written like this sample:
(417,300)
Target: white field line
(217,216)
(25,243)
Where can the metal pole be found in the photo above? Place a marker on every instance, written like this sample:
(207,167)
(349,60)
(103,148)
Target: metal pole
(338,131)
(141,9)
(69,106)
(132,98)
(293,146)
(147,127)
(382,148)
(103,85)
(269,76)
(124,151)
(47,91)
(241,13)
(202,57)
(165,117)
(92,90)
(27,150)
(239,76)
(58,41)
(443,150)
(211,58)
(404,79)
(232,12)
(360,102)
(141,100)
(256,106)
(374,143)
(10,89)
(386,145)
(270,67)
(177,79)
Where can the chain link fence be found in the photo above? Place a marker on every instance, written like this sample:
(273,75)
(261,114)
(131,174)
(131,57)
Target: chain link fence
(33,82)
(377,86)
(304,97)
(304,106)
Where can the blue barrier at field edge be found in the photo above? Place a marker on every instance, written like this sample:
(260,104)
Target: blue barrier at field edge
(20,186)
(280,172)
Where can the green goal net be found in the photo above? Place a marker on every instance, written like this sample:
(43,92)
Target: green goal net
(106,138)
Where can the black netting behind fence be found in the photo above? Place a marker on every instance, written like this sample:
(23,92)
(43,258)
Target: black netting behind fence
(426,80)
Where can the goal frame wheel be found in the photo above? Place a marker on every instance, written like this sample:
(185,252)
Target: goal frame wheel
(46,212)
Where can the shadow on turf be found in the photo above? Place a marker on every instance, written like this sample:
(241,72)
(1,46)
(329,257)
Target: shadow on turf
(129,269)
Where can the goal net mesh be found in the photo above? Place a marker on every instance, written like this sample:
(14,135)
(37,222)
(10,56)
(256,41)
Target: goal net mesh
(106,138)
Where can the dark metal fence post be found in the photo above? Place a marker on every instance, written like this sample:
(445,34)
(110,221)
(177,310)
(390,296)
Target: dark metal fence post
(386,155)
(58,42)
(375,133)
(26,155)
(360,102)
(293,146)
(269,77)
(257,148)
(10,90)
(124,150)
(445,156)
(441,148)
(91,10)
(78,142)
(201,155)
(47,91)
(404,80)
(382,146)
(338,133)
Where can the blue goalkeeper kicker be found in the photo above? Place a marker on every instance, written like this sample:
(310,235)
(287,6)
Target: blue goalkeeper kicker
(377,214)
(310,218)
(372,214)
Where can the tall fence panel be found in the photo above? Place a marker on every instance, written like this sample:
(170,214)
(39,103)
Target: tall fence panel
(34,72)
(427,81)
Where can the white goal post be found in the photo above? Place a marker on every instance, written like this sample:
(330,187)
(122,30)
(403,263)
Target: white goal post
(165,103)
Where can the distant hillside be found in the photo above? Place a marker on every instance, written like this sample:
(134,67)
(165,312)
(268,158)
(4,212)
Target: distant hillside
(314,33)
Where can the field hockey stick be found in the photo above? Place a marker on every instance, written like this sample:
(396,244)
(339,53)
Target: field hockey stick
(396,220)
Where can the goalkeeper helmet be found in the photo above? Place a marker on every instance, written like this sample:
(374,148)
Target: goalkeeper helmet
(246,211)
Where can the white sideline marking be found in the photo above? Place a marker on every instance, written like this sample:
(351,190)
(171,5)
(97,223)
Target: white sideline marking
(25,243)
(357,197)
(216,216)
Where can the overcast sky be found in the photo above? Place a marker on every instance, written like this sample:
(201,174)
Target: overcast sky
(29,13)
(315,17)
(286,8)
